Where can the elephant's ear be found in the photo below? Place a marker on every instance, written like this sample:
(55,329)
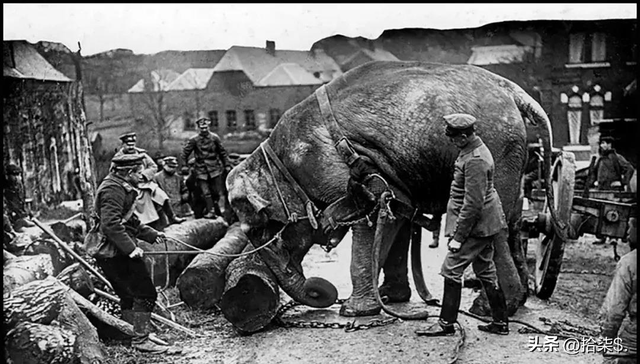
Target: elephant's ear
(257,202)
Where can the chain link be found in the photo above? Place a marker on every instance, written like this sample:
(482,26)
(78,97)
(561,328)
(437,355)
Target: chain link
(349,326)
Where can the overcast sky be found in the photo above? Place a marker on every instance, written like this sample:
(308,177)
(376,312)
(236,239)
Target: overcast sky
(150,28)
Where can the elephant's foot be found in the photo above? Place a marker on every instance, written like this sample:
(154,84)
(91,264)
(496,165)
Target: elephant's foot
(481,306)
(395,292)
(367,306)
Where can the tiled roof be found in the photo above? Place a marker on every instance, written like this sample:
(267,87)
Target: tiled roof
(21,60)
(288,74)
(257,63)
(160,79)
(192,79)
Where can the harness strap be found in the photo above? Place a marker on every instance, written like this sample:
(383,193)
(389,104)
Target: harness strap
(343,146)
(310,207)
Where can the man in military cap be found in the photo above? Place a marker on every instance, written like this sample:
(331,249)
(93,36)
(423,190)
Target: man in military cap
(474,220)
(13,196)
(173,184)
(120,258)
(211,165)
(154,201)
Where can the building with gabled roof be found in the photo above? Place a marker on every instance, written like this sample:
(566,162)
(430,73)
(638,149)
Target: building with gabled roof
(364,55)
(41,133)
(192,79)
(158,80)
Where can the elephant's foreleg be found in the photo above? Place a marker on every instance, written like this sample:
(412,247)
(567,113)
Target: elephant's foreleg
(362,301)
(396,271)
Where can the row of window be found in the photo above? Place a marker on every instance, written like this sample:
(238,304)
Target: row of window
(231,119)
(575,103)
(592,48)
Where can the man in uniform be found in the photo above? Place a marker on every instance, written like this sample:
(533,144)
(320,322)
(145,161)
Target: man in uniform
(153,201)
(173,184)
(120,258)
(13,196)
(211,166)
(474,220)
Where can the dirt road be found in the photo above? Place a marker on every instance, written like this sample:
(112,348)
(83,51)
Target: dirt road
(576,299)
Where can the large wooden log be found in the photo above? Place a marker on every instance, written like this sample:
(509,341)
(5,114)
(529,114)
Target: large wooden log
(202,283)
(77,278)
(88,348)
(24,269)
(251,295)
(201,233)
(38,301)
(33,343)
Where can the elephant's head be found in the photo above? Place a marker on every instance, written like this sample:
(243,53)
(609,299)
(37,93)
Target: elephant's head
(268,207)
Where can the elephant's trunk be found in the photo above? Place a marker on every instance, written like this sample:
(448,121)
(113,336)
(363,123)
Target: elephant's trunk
(314,291)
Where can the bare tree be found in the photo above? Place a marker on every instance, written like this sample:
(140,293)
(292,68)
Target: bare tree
(154,98)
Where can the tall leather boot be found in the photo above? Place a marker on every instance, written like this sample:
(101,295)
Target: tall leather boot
(142,328)
(448,312)
(211,214)
(498,304)
(173,219)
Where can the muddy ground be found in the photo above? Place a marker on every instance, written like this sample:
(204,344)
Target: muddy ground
(577,298)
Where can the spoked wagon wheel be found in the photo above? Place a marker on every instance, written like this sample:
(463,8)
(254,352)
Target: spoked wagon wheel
(550,248)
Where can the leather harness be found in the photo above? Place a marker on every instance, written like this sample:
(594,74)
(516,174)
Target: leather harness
(338,212)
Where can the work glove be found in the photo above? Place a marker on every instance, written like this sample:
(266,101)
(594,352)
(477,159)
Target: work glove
(454,246)
(136,253)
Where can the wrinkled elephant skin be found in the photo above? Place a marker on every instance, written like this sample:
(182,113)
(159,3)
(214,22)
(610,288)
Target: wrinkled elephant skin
(392,114)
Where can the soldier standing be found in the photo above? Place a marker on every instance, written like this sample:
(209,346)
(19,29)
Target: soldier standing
(173,184)
(211,165)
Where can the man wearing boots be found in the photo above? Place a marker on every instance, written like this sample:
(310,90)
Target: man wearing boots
(474,219)
(119,256)
(211,164)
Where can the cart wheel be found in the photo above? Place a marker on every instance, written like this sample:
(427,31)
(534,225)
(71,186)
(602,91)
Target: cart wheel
(550,248)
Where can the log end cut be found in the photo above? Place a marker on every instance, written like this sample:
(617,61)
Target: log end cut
(251,304)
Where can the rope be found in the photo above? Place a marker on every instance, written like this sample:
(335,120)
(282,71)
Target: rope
(276,237)
(266,158)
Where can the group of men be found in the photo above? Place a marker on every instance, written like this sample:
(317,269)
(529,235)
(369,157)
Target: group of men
(126,202)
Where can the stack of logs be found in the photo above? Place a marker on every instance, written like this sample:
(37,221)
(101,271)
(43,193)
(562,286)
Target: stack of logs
(47,283)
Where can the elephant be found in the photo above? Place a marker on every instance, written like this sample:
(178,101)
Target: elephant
(391,115)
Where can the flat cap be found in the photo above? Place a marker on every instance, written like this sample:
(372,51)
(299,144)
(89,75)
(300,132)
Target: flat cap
(128,160)
(13,170)
(203,120)
(457,123)
(128,137)
(171,161)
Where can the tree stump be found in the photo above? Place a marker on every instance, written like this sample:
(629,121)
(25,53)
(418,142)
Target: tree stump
(202,283)
(201,233)
(251,295)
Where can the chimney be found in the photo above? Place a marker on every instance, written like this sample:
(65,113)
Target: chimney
(271,47)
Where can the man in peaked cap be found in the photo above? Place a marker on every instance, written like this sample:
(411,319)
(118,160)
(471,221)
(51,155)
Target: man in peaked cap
(474,220)
(211,165)
(120,258)
(173,184)
(154,201)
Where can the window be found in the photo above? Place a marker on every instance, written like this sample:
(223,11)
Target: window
(249,120)
(232,121)
(587,47)
(189,123)
(213,115)
(274,116)
(574,118)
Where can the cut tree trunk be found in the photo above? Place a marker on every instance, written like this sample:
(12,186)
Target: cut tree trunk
(251,295)
(24,269)
(88,348)
(33,343)
(202,283)
(38,301)
(200,233)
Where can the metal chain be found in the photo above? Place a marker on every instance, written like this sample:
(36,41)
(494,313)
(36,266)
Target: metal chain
(350,326)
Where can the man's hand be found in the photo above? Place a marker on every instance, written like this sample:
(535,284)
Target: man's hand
(454,246)
(136,253)
(161,238)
